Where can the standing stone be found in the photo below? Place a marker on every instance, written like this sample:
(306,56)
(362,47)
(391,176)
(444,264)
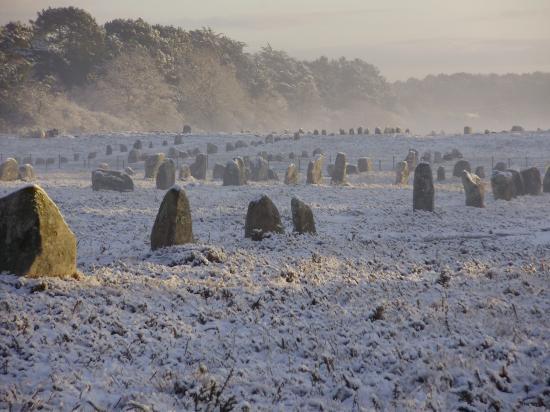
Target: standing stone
(259,169)
(503,185)
(138,145)
(9,170)
(185,172)
(426,157)
(173,225)
(272,175)
(474,189)
(152,164)
(26,172)
(330,169)
(480,172)
(412,159)
(178,139)
(460,166)
(467,130)
(339,173)
(262,218)
(34,238)
(218,171)
(211,148)
(134,156)
(111,180)
(423,188)
(351,170)
(317,151)
(186,129)
(532,181)
(315,170)
(229,147)
(122,148)
(440,174)
(233,174)
(501,167)
(108,150)
(546,181)
(377,130)
(364,164)
(438,157)
(199,167)
(291,175)
(302,217)
(166,175)
(518,185)
(402,173)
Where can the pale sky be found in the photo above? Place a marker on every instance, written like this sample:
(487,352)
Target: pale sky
(403,38)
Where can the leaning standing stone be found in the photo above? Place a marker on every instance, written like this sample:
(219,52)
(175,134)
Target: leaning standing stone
(34,238)
(315,170)
(9,170)
(302,217)
(474,189)
(262,218)
(532,181)
(291,175)
(460,166)
(402,173)
(166,175)
(339,173)
(152,164)
(173,225)
(111,180)
(423,188)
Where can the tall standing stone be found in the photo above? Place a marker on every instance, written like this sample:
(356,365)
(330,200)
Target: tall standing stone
(9,170)
(460,166)
(474,189)
(532,181)
(199,167)
(166,175)
(423,188)
(291,175)
(402,173)
(302,217)
(152,164)
(315,170)
(34,238)
(262,218)
(339,173)
(173,225)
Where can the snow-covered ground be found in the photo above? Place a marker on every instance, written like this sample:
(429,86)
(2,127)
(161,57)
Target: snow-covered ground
(382,309)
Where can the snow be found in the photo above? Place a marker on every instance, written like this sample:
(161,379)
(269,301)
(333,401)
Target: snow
(382,309)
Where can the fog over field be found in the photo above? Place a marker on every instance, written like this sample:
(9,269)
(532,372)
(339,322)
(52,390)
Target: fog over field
(290,206)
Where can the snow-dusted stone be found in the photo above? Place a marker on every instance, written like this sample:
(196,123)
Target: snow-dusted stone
(9,170)
(233,174)
(502,184)
(546,181)
(480,172)
(315,170)
(460,166)
(34,238)
(218,171)
(178,139)
(26,172)
(440,174)
(532,181)
(412,159)
(517,181)
(474,189)
(500,166)
(262,218)
(173,225)
(103,166)
(138,145)
(134,156)
(291,175)
(152,164)
(423,188)
(199,166)
(339,173)
(185,172)
(302,217)
(351,170)
(259,169)
(129,171)
(211,148)
(166,175)
(122,148)
(111,180)
(402,173)
(364,164)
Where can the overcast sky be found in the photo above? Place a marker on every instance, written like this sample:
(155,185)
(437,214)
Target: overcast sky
(403,38)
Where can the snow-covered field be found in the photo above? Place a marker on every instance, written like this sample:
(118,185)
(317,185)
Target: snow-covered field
(384,309)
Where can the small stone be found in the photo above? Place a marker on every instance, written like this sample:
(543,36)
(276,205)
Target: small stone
(291,175)
(199,167)
(460,166)
(402,173)
(503,185)
(211,148)
(166,175)
(26,172)
(532,181)
(364,164)
(185,172)
(440,174)
(134,156)
(339,173)
(152,164)
(302,217)
(111,180)
(262,218)
(218,171)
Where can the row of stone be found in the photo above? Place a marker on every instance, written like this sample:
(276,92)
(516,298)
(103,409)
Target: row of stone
(10,171)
